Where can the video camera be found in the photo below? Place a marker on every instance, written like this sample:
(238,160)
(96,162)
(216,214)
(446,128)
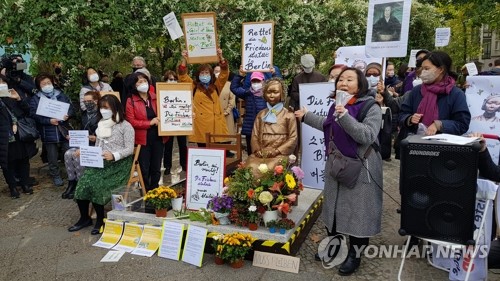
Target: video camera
(13,69)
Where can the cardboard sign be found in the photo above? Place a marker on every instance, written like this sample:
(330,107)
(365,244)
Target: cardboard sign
(314,96)
(200,30)
(257,42)
(205,176)
(175,108)
(443,35)
(277,262)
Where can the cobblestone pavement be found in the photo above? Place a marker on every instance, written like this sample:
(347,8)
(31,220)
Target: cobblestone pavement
(35,245)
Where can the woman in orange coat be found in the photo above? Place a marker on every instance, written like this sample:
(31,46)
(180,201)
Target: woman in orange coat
(208,114)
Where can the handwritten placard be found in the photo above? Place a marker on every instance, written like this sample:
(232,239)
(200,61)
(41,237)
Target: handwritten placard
(175,109)
(314,96)
(277,262)
(443,35)
(91,156)
(205,176)
(257,46)
(200,30)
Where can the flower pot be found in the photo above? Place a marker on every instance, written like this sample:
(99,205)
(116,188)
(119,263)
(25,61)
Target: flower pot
(253,226)
(177,203)
(270,216)
(218,260)
(161,213)
(272,229)
(223,218)
(282,231)
(237,264)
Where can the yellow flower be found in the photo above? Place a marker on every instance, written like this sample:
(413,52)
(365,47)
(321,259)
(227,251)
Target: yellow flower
(263,168)
(290,181)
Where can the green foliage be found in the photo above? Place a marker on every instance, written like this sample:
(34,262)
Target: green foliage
(202,215)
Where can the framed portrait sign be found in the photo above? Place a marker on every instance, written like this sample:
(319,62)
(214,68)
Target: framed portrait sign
(200,30)
(205,176)
(175,108)
(257,43)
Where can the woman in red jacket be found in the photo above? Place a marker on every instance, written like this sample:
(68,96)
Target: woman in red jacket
(141,113)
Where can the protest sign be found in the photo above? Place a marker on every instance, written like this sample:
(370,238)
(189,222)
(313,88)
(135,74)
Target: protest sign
(257,42)
(443,35)
(200,30)
(52,108)
(172,25)
(175,109)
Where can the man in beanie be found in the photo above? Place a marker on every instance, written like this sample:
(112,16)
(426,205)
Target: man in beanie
(308,75)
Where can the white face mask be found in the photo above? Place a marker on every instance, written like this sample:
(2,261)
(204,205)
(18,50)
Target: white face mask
(308,70)
(417,82)
(143,88)
(373,80)
(342,97)
(4,87)
(94,77)
(106,113)
(256,86)
(48,89)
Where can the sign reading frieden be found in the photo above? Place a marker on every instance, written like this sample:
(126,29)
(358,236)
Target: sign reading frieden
(175,109)
(257,42)
(205,176)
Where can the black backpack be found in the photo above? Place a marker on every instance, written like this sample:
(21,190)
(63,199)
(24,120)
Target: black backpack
(385,130)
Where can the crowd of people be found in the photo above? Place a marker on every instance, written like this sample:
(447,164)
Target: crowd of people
(423,99)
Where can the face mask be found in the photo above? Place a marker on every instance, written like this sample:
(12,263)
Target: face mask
(417,82)
(217,75)
(48,89)
(4,87)
(106,113)
(428,76)
(134,69)
(58,70)
(390,73)
(373,80)
(143,88)
(90,106)
(94,77)
(342,97)
(308,70)
(256,86)
(205,79)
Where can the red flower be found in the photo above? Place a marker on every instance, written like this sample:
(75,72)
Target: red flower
(261,209)
(292,197)
(278,169)
(250,193)
(282,207)
(276,186)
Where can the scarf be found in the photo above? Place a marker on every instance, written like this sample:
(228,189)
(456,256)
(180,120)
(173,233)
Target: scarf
(104,128)
(428,105)
(52,96)
(256,93)
(270,116)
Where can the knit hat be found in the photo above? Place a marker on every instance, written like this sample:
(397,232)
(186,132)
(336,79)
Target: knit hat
(307,61)
(144,71)
(375,65)
(257,76)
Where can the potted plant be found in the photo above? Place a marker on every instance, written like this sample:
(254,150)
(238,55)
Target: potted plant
(272,226)
(253,218)
(160,198)
(177,201)
(285,224)
(221,206)
(234,247)
(218,248)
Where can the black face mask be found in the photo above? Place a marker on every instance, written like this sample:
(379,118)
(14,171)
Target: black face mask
(134,69)
(58,70)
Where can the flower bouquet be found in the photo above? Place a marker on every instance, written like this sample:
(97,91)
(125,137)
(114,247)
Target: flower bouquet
(160,198)
(221,206)
(234,247)
(253,217)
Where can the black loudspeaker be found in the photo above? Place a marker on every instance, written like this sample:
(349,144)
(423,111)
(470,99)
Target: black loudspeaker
(438,183)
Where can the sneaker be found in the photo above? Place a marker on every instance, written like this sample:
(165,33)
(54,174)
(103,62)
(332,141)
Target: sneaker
(58,181)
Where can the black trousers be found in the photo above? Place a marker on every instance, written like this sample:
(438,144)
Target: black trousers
(150,163)
(248,139)
(18,167)
(169,146)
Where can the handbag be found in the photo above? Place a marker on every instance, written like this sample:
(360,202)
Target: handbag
(236,114)
(345,170)
(26,128)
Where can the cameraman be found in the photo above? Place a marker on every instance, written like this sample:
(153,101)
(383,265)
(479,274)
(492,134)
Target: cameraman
(13,68)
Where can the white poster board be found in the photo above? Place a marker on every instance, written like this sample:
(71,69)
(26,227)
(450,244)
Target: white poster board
(195,245)
(172,25)
(355,56)
(171,240)
(314,96)
(442,38)
(200,31)
(483,97)
(471,69)
(387,28)
(175,109)
(52,108)
(257,42)
(78,138)
(91,156)
(205,176)
(413,59)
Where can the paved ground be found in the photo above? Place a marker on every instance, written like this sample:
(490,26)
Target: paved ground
(35,245)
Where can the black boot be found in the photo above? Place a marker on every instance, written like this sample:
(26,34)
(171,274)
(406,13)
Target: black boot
(85,220)
(350,264)
(27,189)
(70,190)
(99,222)
(14,194)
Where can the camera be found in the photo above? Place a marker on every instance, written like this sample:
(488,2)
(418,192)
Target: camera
(13,70)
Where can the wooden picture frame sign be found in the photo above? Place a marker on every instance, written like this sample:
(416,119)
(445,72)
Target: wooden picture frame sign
(200,30)
(174,103)
(116,94)
(257,45)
